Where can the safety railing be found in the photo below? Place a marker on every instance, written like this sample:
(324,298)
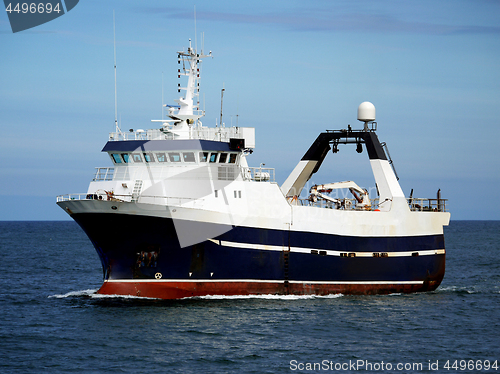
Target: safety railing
(154,134)
(415,204)
(72,196)
(146,199)
(103,174)
(223,134)
(427,205)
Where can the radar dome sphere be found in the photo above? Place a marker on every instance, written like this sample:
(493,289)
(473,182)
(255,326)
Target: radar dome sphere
(366,112)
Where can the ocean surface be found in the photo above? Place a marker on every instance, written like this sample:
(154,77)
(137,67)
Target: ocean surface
(52,321)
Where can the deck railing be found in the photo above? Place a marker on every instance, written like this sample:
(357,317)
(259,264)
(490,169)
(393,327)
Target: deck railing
(203,133)
(103,174)
(154,134)
(147,199)
(415,204)
(427,205)
(72,196)
(225,172)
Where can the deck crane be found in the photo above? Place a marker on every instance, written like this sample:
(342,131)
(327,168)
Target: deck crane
(362,201)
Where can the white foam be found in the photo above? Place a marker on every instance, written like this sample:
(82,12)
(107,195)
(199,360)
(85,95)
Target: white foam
(89,292)
(456,289)
(92,293)
(265,297)
(103,296)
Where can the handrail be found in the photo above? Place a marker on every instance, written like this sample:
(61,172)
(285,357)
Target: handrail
(415,204)
(225,172)
(200,132)
(167,200)
(427,205)
(103,174)
(71,196)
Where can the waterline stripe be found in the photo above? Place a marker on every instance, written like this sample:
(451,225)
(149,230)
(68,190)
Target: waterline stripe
(264,247)
(208,280)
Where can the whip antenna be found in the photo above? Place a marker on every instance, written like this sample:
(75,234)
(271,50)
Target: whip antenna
(116,100)
(195,36)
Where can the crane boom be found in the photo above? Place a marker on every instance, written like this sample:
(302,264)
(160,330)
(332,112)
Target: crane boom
(363,201)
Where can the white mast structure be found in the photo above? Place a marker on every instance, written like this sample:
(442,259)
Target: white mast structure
(187,114)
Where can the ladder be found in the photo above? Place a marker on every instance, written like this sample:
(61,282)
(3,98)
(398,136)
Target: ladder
(137,189)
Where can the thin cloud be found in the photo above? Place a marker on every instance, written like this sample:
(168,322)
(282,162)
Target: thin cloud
(328,20)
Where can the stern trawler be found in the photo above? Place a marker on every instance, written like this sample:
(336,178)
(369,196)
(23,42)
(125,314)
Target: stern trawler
(181,214)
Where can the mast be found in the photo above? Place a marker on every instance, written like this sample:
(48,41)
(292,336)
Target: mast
(117,129)
(188,113)
(221,101)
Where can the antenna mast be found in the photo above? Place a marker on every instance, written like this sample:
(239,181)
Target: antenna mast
(195,36)
(221,100)
(116,100)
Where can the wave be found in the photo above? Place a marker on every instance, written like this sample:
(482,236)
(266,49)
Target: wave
(92,293)
(264,297)
(89,292)
(457,289)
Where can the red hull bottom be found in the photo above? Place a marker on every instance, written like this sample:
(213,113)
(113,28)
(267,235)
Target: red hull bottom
(181,289)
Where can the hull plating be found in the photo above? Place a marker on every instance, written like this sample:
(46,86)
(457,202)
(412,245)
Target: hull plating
(141,256)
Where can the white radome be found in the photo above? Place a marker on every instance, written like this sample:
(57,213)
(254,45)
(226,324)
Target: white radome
(366,112)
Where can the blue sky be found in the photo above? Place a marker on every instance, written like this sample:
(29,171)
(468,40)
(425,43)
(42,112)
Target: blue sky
(291,69)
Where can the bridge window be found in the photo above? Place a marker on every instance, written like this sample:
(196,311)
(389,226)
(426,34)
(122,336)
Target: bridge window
(188,157)
(136,157)
(161,157)
(232,158)
(174,157)
(213,157)
(203,156)
(116,158)
(223,158)
(126,157)
(148,157)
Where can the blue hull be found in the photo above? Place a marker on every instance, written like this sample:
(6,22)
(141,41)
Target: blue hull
(137,249)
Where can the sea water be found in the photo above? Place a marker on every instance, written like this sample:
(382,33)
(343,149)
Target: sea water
(52,320)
